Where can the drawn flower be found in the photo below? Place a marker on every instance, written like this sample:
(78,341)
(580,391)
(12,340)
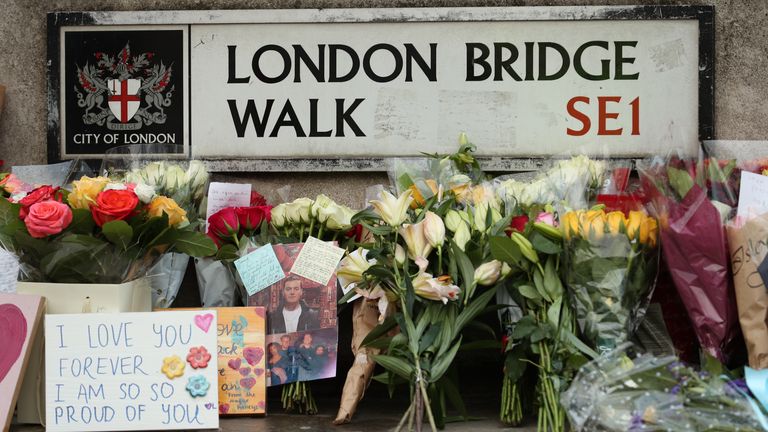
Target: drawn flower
(173,367)
(198,386)
(198,357)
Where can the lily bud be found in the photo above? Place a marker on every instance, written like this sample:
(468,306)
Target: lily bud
(399,255)
(452,220)
(416,240)
(434,229)
(488,273)
(462,236)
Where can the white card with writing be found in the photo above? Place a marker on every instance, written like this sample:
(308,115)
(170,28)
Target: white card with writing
(259,269)
(317,260)
(131,371)
(753,196)
(223,195)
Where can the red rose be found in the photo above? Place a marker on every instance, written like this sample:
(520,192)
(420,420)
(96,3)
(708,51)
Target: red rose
(250,218)
(356,232)
(224,224)
(518,223)
(257,199)
(47,218)
(114,205)
(43,193)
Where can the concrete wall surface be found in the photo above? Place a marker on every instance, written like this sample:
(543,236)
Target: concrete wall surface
(740,94)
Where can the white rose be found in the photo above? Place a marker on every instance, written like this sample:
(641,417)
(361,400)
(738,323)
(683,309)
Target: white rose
(145,192)
(153,173)
(115,186)
(175,178)
(198,176)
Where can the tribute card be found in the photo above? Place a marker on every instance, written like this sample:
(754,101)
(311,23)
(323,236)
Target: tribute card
(131,371)
(317,260)
(259,269)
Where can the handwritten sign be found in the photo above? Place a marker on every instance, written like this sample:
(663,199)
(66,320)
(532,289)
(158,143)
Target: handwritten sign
(242,362)
(133,371)
(19,318)
(317,260)
(753,196)
(259,269)
(223,195)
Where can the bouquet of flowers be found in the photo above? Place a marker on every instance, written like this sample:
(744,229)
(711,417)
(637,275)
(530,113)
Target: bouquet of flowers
(100,232)
(432,263)
(692,200)
(611,264)
(619,392)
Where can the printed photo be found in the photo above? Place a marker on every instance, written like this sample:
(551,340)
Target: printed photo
(301,356)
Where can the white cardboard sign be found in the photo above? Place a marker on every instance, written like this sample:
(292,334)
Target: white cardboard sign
(132,371)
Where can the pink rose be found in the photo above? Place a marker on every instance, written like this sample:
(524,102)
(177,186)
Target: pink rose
(47,218)
(547,218)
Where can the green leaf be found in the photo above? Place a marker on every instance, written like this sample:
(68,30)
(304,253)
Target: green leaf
(466,270)
(380,330)
(428,338)
(712,365)
(472,310)
(544,244)
(395,365)
(9,212)
(505,249)
(529,292)
(538,282)
(453,395)
(82,222)
(570,338)
(443,362)
(194,244)
(552,282)
(498,228)
(227,252)
(680,181)
(553,313)
(515,364)
(119,233)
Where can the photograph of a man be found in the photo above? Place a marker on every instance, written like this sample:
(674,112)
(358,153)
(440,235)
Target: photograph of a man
(292,313)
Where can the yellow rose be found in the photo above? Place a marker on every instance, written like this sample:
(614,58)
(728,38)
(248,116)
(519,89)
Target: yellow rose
(593,224)
(570,224)
(161,204)
(633,223)
(648,230)
(615,221)
(84,191)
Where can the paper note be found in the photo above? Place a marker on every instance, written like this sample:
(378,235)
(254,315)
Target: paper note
(259,269)
(753,196)
(317,260)
(132,371)
(223,195)
(9,271)
(54,175)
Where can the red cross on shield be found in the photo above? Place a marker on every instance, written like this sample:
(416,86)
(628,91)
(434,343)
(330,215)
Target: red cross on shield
(123,98)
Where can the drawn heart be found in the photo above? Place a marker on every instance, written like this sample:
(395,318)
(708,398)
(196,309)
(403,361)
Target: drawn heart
(203,321)
(248,383)
(234,363)
(253,355)
(245,371)
(13,332)
(223,408)
(259,311)
(209,405)
(258,372)
(261,404)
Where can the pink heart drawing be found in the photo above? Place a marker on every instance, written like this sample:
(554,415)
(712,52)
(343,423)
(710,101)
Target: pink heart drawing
(203,321)
(248,383)
(13,332)
(261,404)
(258,372)
(234,363)
(245,371)
(253,355)
(259,311)
(223,408)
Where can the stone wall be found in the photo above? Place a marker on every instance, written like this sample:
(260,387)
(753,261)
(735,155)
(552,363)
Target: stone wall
(741,88)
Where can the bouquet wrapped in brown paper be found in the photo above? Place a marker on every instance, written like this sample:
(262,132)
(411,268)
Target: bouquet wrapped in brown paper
(749,248)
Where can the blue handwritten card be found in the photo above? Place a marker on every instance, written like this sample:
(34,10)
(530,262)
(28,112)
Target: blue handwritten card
(259,269)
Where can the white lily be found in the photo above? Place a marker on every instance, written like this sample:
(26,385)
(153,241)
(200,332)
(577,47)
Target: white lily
(393,210)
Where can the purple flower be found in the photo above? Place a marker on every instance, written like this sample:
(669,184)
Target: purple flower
(675,390)
(737,386)
(636,423)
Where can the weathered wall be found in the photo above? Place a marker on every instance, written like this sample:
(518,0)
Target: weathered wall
(741,88)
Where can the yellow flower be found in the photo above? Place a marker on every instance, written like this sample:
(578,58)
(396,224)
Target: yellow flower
(570,224)
(615,221)
(161,204)
(418,198)
(84,191)
(648,230)
(592,223)
(633,223)
(173,367)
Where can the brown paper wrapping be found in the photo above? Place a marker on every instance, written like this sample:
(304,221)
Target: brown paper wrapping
(749,247)
(365,315)
(2,99)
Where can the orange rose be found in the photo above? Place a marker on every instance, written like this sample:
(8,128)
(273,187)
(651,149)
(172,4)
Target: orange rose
(114,205)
